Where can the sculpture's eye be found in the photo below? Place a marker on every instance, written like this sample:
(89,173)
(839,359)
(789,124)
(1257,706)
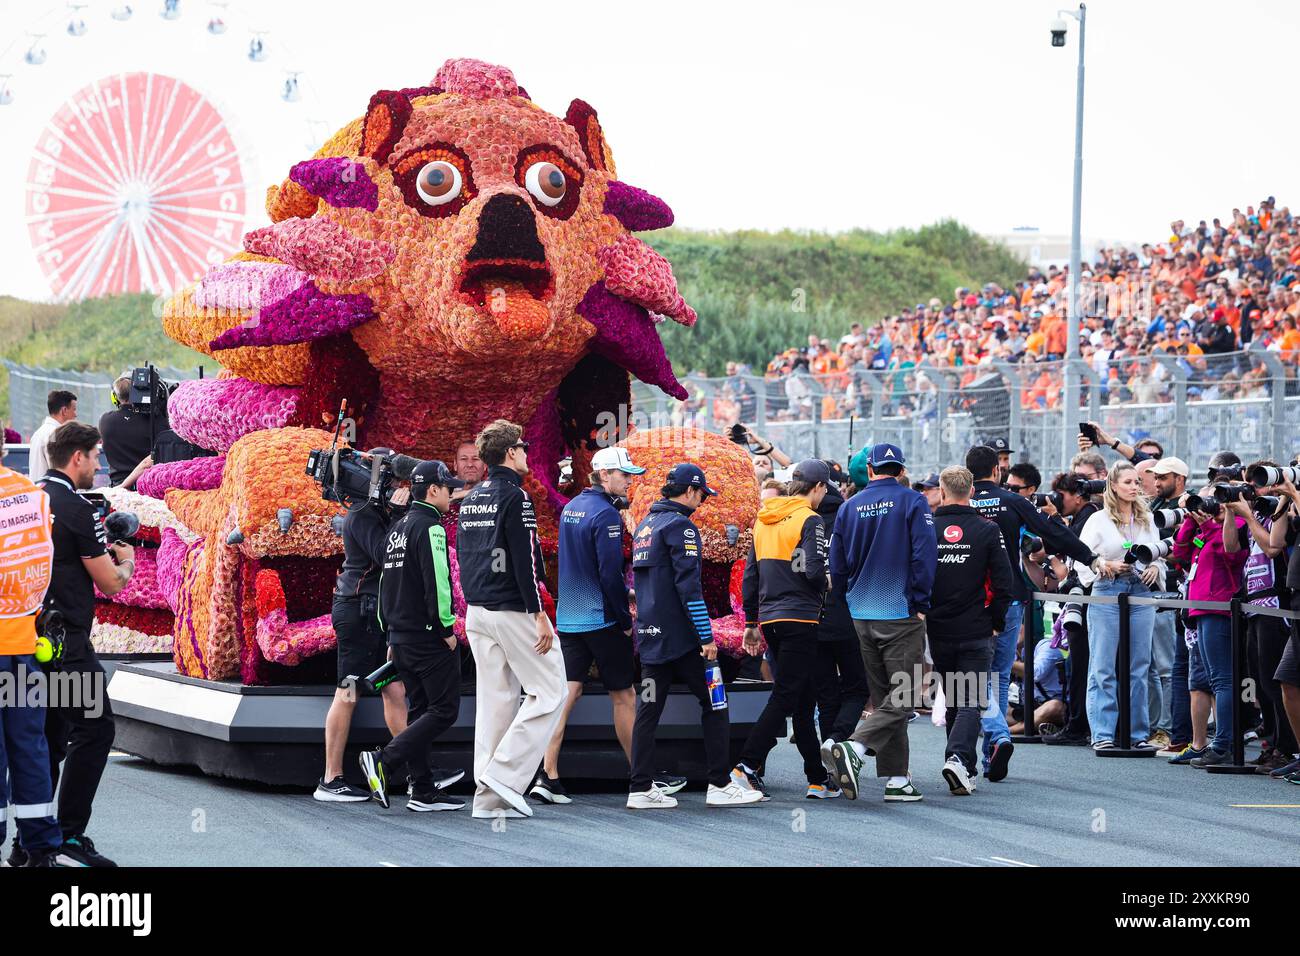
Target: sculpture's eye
(546,182)
(438,183)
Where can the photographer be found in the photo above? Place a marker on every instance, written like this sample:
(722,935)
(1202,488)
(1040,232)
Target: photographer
(767,457)
(415,606)
(24,756)
(362,645)
(1124,521)
(1286,532)
(127,432)
(1215,575)
(1146,448)
(83,559)
(1265,572)
(1170,717)
(1012,514)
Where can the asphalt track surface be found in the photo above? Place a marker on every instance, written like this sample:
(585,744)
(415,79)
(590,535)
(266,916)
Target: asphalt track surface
(1059,806)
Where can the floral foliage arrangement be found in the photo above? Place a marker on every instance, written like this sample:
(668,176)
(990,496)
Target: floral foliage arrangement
(455,255)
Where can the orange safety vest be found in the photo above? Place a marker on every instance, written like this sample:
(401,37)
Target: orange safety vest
(26,560)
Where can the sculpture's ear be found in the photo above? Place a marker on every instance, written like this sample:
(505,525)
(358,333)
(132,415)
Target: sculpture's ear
(583,119)
(386,118)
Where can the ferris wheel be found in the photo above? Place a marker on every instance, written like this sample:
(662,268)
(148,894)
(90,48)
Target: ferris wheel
(141,178)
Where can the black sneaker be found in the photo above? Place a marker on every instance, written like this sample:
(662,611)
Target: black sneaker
(372,765)
(339,790)
(80,851)
(1066,739)
(444,777)
(999,760)
(750,780)
(425,801)
(1211,758)
(40,860)
(546,790)
(18,856)
(669,783)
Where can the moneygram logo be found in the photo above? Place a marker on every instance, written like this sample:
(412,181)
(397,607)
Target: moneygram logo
(952,534)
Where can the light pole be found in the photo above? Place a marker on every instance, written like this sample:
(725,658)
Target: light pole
(1070,414)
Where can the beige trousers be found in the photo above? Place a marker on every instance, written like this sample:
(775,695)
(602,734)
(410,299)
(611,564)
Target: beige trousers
(510,736)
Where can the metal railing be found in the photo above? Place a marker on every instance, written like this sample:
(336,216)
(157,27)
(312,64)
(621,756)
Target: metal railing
(1245,401)
(30,385)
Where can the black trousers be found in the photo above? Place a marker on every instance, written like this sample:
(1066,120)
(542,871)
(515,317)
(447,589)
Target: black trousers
(793,647)
(431,673)
(79,741)
(963,666)
(1268,639)
(652,696)
(841,688)
(1077,689)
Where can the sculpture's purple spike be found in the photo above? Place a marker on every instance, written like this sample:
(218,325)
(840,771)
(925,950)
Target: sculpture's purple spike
(635,208)
(301,316)
(626,334)
(337,180)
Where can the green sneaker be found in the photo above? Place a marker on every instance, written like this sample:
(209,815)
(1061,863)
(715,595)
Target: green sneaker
(372,765)
(904,794)
(847,767)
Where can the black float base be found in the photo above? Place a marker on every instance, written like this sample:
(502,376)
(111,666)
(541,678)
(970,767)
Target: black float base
(275,735)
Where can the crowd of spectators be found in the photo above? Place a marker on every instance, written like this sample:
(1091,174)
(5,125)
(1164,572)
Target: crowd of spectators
(1202,296)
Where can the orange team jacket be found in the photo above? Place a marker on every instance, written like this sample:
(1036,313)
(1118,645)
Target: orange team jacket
(26,560)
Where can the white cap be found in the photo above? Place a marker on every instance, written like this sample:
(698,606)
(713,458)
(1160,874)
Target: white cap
(614,459)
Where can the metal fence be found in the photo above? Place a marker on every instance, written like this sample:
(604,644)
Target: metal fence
(1245,401)
(30,385)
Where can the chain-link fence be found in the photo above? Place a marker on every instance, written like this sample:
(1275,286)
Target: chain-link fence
(1193,405)
(30,386)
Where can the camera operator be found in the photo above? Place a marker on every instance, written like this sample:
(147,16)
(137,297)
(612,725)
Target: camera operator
(1012,514)
(1074,502)
(1215,575)
(362,644)
(415,605)
(126,431)
(1286,532)
(1089,465)
(1265,574)
(767,457)
(25,570)
(83,559)
(1171,719)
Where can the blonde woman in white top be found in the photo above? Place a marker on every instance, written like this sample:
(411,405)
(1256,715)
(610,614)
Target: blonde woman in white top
(1123,521)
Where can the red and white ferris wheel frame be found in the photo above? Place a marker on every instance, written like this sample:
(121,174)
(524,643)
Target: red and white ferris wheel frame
(135,185)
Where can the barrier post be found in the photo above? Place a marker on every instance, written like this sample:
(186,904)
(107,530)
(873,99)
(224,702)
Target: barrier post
(1238,764)
(1124,678)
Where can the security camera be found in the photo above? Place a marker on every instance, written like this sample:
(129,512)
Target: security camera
(1058,33)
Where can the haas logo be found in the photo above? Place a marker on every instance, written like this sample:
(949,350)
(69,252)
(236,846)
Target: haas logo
(952,533)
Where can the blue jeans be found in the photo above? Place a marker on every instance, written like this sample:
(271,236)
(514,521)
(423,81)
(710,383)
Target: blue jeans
(1103,647)
(994,719)
(1180,698)
(1214,637)
(1163,637)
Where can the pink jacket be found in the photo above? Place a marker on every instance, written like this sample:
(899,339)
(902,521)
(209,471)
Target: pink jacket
(1216,575)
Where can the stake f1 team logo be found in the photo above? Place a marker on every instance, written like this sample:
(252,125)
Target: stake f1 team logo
(952,533)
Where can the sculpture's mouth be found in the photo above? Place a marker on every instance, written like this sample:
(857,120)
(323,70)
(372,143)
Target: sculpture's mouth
(496,285)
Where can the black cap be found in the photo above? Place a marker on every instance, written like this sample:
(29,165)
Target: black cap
(999,445)
(691,476)
(931,481)
(434,472)
(812,470)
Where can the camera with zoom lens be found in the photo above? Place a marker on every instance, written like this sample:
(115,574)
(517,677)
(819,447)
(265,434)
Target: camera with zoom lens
(1072,613)
(1042,500)
(1206,506)
(1265,506)
(1261,476)
(1030,544)
(349,476)
(1167,518)
(1092,486)
(1144,554)
(1226,494)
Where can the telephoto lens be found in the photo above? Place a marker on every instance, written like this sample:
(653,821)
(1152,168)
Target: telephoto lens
(1146,553)
(1030,544)
(1167,518)
(1092,486)
(1264,475)
(1226,494)
(1040,499)
(1265,506)
(1072,618)
(1205,506)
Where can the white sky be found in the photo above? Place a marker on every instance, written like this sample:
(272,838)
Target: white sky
(816,115)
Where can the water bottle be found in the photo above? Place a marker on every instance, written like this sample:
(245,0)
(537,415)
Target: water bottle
(717,690)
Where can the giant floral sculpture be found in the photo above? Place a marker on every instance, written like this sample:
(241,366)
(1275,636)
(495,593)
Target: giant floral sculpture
(456,255)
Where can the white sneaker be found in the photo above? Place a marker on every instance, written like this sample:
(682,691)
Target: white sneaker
(732,795)
(652,799)
(504,813)
(958,777)
(513,797)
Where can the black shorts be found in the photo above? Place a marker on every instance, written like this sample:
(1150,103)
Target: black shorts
(609,647)
(1288,668)
(362,644)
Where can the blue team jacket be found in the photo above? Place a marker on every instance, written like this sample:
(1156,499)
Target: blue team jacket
(671,618)
(593,594)
(883,552)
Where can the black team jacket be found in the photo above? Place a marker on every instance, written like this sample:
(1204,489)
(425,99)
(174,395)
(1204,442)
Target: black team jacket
(972,581)
(497,547)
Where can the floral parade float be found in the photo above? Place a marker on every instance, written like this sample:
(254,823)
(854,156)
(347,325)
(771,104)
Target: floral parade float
(455,255)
